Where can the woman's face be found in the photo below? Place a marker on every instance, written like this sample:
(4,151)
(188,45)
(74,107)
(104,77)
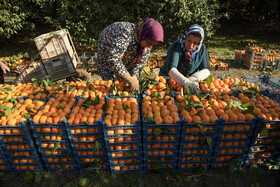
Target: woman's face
(192,42)
(148,43)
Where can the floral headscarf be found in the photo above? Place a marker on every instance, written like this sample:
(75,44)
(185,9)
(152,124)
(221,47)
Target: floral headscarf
(193,29)
(148,29)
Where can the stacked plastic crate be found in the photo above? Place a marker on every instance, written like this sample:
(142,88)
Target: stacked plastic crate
(5,165)
(239,55)
(253,58)
(161,132)
(271,60)
(197,143)
(265,146)
(51,137)
(232,143)
(86,135)
(122,133)
(19,148)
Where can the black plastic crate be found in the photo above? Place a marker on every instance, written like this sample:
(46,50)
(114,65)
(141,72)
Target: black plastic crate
(19,148)
(88,145)
(53,145)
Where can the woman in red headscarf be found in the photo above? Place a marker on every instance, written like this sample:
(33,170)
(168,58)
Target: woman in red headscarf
(123,49)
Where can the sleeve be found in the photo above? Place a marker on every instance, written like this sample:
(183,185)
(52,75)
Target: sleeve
(204,59)
(171,61)
(138,67)
(118,48)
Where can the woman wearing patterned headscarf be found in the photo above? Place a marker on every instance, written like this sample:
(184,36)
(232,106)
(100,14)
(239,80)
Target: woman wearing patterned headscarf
(187,57)
(123,49)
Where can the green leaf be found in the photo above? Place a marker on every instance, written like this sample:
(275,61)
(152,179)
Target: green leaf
(74,88)
(200,126)
(264,130)
(45,83)
(67,88)
(60,107)
(245,105)
(8,111)
(157,132)
(55,147)
(70,184)
(209,79)
(97,145)
(4,90)
(27,116)
(84,181)
(38,176)
(182,92)
(209,141)
(237,104)
(189,91)
(96,100)
(237,88)
(151,120)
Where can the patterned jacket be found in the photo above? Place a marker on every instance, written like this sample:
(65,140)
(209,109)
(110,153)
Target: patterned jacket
(117,51)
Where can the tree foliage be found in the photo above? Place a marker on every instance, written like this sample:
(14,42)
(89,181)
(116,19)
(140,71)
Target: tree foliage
(85,19)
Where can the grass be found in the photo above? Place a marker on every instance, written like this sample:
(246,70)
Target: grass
(254,177)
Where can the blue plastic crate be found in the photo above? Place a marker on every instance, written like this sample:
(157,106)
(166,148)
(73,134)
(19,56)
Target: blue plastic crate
(120,165)
(5,163)
(194,163)
(88,146)
(163,163)
(20,149)
(216,163)
(264,148)
(233,143)
(266,84)
(56,136)
(197,143)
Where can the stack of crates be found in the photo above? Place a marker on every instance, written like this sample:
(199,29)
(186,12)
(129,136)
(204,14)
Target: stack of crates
(54,147)
(197,142)
(232,143)
(253,59)
(19,148)
(122,137)
(87,142)
(265,148)
(57,46)
(239,55)
(58,57)
(160,145)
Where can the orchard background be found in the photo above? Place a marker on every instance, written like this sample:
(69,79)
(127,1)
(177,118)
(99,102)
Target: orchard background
(229,25)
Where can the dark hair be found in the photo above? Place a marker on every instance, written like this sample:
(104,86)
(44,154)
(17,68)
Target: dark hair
(196,34)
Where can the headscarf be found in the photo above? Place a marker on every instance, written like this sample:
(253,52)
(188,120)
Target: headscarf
(147,29)
(192,29)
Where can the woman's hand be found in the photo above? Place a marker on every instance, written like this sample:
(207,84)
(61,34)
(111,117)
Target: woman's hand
(4,67)
(132,81)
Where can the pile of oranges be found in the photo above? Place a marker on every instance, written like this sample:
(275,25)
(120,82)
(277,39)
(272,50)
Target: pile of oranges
(59,102)
(214,63)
